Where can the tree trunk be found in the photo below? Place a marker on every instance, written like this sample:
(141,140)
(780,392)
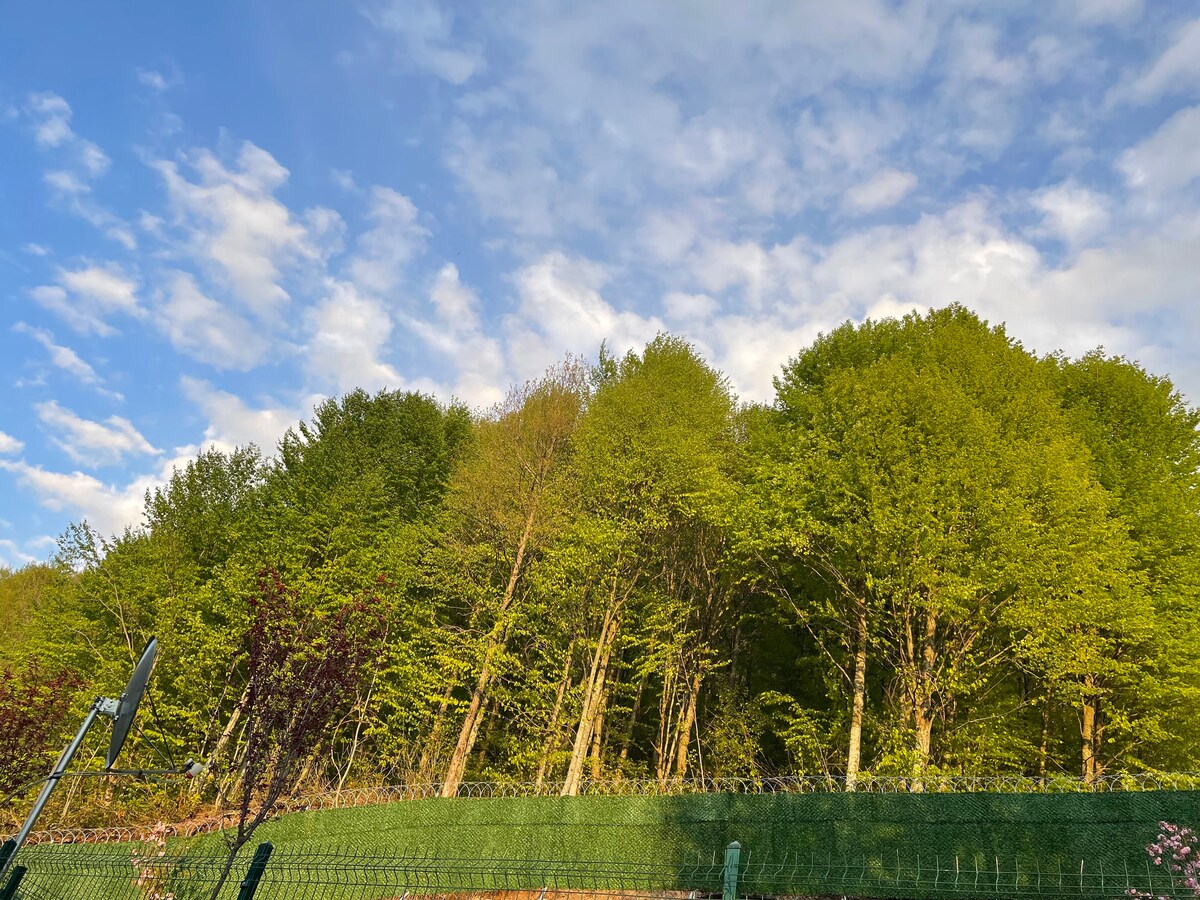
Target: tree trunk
(598,735)
(685,727)
(633,719)
(223,740)
(564,684)
(496,641)
(1044,738)
(858,701)
(490,720)
(923,701)
(1089,731)
(591,697)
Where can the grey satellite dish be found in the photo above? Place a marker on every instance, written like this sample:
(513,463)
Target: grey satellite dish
(127,706)
(121,711)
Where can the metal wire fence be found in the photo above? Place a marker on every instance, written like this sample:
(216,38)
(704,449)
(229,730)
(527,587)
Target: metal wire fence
(58,873)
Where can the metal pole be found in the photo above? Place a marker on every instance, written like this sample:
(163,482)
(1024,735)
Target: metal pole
(59,768)
(10,890)
(729,875)
(254,874)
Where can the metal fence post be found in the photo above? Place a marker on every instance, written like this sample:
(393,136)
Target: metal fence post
(254,874)
(729,875)
(7,849)
(14,881)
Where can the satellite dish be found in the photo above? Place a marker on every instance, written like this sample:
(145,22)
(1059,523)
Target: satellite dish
(127,706)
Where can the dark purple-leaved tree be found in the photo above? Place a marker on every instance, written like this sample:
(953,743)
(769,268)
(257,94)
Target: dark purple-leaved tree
(34,704)
(303,667)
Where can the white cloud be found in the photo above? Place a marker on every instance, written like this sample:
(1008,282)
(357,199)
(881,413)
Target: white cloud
(205,329)
(1176,70)
(106,507)
(562,311)
(689,307)
(158,81)
(384,251)
(232,423)
(885,189)
(348,332)
(64,357)
(423,31)
(74,194)
(91,443)
(86,298)
(51,116)
(236,228)
(457,333)
(110,508)
(1096,12)
(11,554)
(1072,212)
(36,249)
(1168,159)
(79,161)
(9,444)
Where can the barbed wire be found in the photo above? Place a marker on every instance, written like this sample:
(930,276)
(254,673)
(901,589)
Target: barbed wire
(793,784)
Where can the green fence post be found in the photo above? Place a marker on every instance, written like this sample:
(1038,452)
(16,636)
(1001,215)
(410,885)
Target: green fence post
(729,875)
(254,874)
(6,850)
(14,881)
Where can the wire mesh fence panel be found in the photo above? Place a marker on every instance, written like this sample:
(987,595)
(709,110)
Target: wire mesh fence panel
(91,874)
(70,873)
(339,878)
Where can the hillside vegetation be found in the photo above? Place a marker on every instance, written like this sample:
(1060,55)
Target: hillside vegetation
(934,553)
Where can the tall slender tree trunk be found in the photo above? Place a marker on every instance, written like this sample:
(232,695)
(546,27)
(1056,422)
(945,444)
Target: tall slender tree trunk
(226,734)
(496,642)
(1089,730)
(595,755)
(685,727)
(1044,737)
(858,700)
(633,719)
(591,698)
(490,723)
(564,684)
(923,701)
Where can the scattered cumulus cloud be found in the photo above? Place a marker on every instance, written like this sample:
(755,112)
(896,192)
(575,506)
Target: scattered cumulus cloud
(9,444)
(233,225)
(885,189)
(86,298)
(423,32)
(65,358)
(1177,70)
(561,175)
(92,444)
(233,423)
(206,330)
(1167,160)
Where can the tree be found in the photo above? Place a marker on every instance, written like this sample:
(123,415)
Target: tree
(928,459)
(499,511)
(652,479)
(302,669)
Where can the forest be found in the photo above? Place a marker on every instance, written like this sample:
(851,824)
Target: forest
(934,552)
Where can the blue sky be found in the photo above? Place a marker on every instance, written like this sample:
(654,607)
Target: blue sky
(212,215)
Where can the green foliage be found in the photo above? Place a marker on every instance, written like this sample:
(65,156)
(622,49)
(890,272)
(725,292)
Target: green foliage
(934,547)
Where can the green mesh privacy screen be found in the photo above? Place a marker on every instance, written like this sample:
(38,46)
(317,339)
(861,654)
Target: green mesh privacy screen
(858,845)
